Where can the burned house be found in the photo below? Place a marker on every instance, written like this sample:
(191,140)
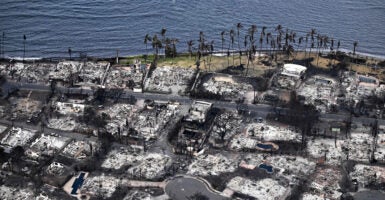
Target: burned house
(289,77)
(194,130)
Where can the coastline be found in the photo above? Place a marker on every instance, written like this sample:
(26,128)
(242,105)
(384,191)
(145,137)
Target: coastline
(91,57)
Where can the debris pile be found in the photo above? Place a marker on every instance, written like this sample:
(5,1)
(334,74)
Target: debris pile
(169,79)
(262,189)
(206,165)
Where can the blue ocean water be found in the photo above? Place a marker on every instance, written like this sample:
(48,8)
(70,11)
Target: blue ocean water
(99,27)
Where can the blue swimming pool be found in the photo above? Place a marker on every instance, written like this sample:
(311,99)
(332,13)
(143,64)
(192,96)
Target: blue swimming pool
(265,146)
(268,168)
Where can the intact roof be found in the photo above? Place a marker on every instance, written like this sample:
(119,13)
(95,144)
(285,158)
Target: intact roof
(294,67)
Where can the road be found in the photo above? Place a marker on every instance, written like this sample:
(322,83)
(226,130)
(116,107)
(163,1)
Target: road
(184,187)
(261,109)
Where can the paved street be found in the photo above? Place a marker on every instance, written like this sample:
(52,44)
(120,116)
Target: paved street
(184,187)
(261,109)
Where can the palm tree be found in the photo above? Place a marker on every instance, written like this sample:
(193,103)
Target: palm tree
(223,33)
(279,28)
(70,52)
(173,42)
(190,43)
(163,33)
(355,43)
(201,41)
(167,50)
(268,37)
(298,46)
(147,39)
(272,45)
(312,33)
(25,38)
(335,54)
(211,50)
(261,39)
(239,26)
(288,49)
(252,31)
(2,46)
(232,32)
(156,45)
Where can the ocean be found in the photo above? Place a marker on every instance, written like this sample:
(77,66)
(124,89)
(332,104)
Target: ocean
(100,28)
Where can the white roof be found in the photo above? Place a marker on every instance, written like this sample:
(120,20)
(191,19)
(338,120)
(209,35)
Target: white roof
(293,70)
(294,67)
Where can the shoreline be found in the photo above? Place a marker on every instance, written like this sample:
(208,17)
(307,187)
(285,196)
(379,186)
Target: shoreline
(100,58)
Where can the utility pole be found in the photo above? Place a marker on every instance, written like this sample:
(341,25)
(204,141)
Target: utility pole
(2,45)
(25,38)
(117,56)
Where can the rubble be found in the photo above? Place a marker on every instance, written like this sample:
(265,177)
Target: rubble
(320,91)
(121,156)
(225,126)
(13,193)
(267,188)
(124,77)
(65,71)
(308,196)
(327,151)
(94,73)
(67,123)
(56,169)
(102,185)
(198,111)
(268,132)
(359,147)
(226,86)
(119,115)
(68,108)
(169,79)
(325,183)
(25,108)
(137,194)
(46,145)
(150,121)
(358,87)
(367,175)
(16,137)
(207,165)
(379,150)
(292,165)
(80,150)
(242,142)
(29,72)
(286,165)
(151,166)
